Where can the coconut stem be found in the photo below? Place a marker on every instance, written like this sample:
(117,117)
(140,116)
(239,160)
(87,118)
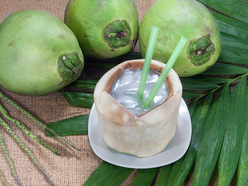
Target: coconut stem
(5,98)
(21,144)
(25,130)
(12,167)
(3,178)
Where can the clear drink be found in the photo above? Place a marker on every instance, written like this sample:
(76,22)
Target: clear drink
(125,88)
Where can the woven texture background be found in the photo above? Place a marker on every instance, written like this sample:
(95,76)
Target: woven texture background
(72,167)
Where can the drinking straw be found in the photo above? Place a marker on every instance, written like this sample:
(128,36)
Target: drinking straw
(165,71)
(147,63)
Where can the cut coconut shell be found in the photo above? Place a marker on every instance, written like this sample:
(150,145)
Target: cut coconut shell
(143,135)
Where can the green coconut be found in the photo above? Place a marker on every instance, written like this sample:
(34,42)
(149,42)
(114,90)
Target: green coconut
(177,18)
(104,29)
(39,54)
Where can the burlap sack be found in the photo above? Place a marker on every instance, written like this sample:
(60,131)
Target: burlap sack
(72,167)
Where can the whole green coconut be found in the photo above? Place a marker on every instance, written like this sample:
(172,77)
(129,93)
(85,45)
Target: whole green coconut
(177,18)
(39,54)
(104,28)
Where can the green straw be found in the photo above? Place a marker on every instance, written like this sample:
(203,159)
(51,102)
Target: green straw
(147,63)
(165,71)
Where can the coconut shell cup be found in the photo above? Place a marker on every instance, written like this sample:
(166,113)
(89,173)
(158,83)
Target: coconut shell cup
(144,135)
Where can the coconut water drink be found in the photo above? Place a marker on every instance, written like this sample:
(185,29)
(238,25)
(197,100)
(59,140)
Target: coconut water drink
(125,89)
(125,125)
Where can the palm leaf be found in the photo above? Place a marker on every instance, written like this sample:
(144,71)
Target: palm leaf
(232,143)
(107,174)
(77,125)
(195,84)
(89,83)
(226,69)
(211,139)
(234,38)
(242,176)
(191,94)
(79,99)
(236,9)
(206,82)
(145,177)
(163,175)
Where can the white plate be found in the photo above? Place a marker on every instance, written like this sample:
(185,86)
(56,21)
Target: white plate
(174,151)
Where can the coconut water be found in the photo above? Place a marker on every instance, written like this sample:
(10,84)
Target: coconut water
(125,88)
